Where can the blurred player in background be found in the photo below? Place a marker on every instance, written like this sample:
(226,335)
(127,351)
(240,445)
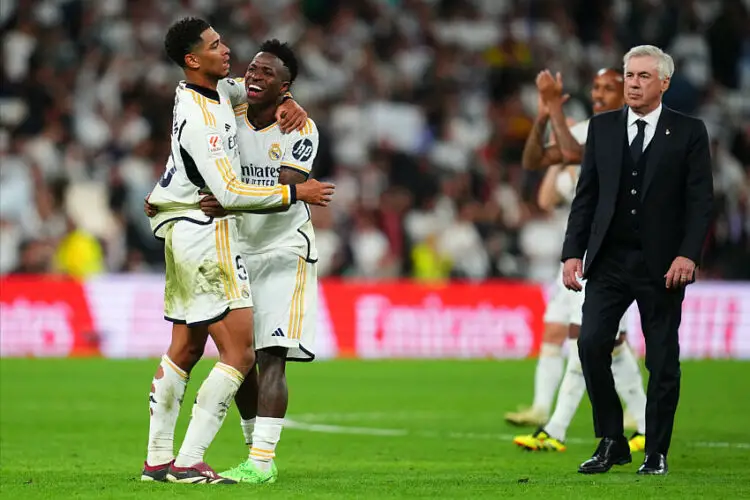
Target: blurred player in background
(563,315)
(281,256)
(207,289)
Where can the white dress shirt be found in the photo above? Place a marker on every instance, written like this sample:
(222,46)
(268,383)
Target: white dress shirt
(651,120)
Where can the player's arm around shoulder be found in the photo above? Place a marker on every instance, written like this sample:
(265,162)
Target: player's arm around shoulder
(234,88)
(204,143)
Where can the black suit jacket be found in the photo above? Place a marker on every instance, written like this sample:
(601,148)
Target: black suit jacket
(676,194)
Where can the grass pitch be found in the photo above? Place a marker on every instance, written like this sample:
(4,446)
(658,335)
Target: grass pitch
(362,429)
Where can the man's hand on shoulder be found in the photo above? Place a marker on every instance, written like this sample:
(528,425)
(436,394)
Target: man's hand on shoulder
(572,270)
(681,272)
(291,116)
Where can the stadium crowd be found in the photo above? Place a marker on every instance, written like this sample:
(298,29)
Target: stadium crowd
(423,107)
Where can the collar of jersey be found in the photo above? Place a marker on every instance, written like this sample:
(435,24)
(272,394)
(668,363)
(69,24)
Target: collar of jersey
(264,129)
(205,92)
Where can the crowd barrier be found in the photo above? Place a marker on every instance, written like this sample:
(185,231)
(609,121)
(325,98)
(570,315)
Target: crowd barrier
(120,316)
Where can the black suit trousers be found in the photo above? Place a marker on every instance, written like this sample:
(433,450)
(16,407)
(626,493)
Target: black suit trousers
(618,277)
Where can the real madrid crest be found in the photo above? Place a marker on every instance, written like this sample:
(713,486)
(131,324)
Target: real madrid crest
(274,152)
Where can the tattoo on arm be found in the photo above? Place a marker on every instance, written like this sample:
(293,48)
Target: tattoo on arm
(569,147)
(535,155)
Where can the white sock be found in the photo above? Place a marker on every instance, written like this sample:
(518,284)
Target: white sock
(549,370)
(629,383)
(211,405)
(248,426)
(165,399)
(265,437)
(569,397)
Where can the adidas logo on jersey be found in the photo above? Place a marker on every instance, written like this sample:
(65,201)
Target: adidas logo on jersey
(227,127)
(277,333)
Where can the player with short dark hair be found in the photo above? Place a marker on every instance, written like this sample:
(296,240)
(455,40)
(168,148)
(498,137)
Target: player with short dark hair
(281,256)
(207,290)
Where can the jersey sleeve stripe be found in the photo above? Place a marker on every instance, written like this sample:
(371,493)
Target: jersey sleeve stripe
(197,100)
(211,117)
(230,263)
(208,118)
(295,167)
(233,185)
(220,254)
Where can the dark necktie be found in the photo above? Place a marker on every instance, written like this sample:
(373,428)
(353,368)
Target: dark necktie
(636,147)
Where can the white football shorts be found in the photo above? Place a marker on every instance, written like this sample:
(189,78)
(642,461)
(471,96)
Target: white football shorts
(206,276)
(566,306)
(560,305)
(285,295)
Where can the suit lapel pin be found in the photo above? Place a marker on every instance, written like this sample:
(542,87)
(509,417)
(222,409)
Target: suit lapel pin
(667,131)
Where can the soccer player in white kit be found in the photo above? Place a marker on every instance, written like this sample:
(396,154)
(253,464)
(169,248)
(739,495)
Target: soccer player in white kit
(564,308)
(207,289)
(280,253)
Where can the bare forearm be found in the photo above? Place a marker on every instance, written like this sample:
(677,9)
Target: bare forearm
(533,150)
(289,176)
(569,147)
(286,176)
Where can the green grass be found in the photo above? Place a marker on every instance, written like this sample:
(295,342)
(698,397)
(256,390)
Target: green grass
(77,429)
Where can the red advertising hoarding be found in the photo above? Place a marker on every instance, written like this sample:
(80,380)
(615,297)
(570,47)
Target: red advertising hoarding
(121,316)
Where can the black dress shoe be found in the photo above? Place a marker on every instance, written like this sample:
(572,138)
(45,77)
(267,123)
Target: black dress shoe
(610,452)
(655,464)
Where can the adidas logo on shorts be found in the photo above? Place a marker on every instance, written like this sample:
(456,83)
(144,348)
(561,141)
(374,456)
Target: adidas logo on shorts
(277,333)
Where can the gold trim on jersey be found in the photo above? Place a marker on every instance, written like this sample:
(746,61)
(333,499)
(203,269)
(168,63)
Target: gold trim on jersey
(234,185)
(297,308)
(308,128)
(295,166)
(208,118)
(265,129)
(241,110)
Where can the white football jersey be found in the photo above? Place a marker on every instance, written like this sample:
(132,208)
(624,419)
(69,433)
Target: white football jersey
(263,154)
(205,158)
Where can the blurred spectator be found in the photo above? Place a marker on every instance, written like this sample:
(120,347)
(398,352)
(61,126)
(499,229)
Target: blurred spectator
(423,108)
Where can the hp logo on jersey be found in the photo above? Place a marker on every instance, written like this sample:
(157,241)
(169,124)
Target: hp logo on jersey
(302,150)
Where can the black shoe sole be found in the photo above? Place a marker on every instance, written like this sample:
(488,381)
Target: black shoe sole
(602,470)
(652,472)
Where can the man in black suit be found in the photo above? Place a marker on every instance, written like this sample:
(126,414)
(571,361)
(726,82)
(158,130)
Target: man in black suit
(641,214)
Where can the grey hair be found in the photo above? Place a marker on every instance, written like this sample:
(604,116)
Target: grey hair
(664,62)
